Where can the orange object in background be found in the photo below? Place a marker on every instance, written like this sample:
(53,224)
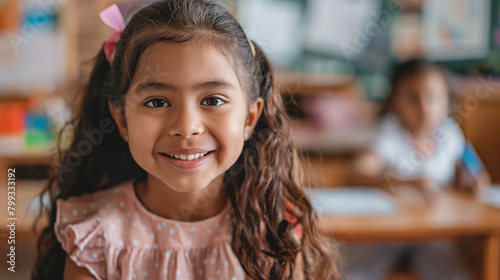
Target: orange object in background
(9,15)
(12,116)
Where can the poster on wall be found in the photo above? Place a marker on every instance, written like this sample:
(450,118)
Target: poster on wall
(275,26)
(343,27)
(407,35)
(456,29)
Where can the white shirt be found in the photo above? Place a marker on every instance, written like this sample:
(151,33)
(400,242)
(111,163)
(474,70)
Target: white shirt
(394,145)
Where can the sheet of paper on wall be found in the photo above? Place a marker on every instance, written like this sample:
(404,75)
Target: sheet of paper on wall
(351,201)
(456,29)
(493,197)
(342,27)
(275,26)
(407,36)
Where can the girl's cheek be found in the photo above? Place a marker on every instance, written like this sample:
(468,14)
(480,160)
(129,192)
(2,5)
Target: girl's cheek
(230,132)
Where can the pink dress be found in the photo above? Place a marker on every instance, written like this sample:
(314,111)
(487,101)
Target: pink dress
(115,237)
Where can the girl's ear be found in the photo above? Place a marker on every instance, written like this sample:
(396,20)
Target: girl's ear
(254,112)
(116,113)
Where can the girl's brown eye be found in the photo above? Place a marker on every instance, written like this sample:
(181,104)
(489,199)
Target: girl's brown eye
(156,103)
(213,101)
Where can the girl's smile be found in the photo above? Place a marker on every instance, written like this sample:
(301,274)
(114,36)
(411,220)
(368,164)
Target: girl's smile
(188,158)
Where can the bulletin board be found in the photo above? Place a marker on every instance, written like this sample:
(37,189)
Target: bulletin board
(361,34)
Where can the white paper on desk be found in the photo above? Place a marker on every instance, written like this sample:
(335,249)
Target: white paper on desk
(339,26)
(351,201)
(493,197)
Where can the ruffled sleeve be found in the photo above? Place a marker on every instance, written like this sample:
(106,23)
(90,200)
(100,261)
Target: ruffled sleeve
(79,229)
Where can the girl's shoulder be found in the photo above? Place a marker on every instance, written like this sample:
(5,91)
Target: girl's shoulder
(390,124)
(83,225)
(389,138)
(449,128)
(450,138)
(99,205)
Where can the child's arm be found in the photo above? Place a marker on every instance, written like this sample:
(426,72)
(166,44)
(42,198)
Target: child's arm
(477,185)
(368,169)
(74,272)
(470,173)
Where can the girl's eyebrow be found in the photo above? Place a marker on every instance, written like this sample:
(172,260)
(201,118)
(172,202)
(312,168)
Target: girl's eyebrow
(146,86)
(215,84)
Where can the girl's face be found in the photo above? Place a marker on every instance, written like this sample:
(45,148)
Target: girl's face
(186,115)
(421,101)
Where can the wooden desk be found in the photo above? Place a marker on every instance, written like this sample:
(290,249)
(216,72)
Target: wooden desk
(25,192)
(8,161)
(452,216)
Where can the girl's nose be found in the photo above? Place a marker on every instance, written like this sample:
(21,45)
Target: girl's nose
(185,122)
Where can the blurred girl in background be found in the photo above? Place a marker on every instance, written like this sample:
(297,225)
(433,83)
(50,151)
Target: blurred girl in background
(416,144)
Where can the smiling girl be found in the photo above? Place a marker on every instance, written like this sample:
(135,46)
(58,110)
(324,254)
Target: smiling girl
(192,174)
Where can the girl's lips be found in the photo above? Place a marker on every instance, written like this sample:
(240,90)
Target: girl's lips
(187,164)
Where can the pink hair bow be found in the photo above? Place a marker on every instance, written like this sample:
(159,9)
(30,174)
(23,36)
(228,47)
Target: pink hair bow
(113,18)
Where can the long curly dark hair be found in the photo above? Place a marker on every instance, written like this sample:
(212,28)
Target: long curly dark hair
(266,177)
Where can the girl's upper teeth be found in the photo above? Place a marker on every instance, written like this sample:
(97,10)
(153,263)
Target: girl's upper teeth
(188,157)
